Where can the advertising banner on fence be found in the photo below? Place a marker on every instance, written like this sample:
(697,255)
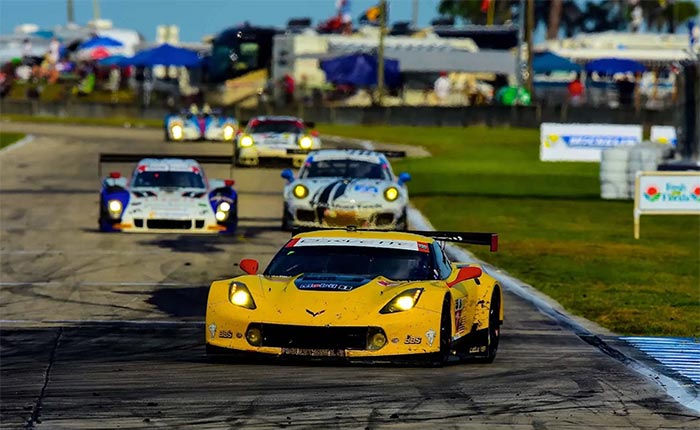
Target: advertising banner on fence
(665,134)
(584,142)
(666,193)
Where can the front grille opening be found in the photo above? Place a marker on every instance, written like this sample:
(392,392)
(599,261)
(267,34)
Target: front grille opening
(384,219)
(306,215)
(199,223)
(292,336)
(138,222)
(169,224)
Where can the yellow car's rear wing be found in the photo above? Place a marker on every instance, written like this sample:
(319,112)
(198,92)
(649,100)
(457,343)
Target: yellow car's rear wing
(471,238)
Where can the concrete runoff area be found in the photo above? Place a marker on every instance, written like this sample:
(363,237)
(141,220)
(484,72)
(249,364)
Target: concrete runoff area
(106,330)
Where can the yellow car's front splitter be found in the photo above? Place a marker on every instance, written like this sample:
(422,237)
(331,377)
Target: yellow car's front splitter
(398,336)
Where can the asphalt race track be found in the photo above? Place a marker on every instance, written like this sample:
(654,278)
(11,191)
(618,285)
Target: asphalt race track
(106,330)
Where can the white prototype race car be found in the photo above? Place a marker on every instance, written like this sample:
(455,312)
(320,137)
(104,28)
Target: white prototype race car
(342,187)
(167,195)
(276,137)
(193,124)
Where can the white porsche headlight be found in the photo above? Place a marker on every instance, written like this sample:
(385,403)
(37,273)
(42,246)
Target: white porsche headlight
(391,194)
(222,211)
(224,206)
(115,208)
(228,132)
(300,191)
(306,142)
(176,131)
(246,141)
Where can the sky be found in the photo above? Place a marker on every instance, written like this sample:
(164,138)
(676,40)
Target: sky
(196,18)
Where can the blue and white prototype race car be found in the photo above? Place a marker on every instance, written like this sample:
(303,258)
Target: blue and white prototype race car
(342,187)
(276,138)
(167,195)
(207,124)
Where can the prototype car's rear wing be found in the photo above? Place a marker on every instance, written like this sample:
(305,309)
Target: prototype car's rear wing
(105,158)
(471,238)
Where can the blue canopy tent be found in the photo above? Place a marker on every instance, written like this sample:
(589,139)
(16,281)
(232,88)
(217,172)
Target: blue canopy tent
(360,70)
(610,66)
(115,60)
(166,55)
(547,62)
(98,41)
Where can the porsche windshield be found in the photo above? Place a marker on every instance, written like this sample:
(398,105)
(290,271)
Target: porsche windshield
(276,127)
(395,264)
(168,179)
(345,169)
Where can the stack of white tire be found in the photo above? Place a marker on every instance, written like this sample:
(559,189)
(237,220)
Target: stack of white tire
(619,167)
(613,173)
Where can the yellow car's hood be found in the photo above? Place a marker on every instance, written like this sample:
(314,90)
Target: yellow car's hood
(320,299)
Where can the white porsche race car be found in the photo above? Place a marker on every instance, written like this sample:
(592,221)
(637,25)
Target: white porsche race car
(341,187)
(276,137)
(167,195)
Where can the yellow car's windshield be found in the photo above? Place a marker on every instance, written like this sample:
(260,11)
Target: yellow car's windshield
(395,264)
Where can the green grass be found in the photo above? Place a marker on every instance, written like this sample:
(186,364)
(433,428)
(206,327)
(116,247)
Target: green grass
(7,139)
(112,121)
(556,233)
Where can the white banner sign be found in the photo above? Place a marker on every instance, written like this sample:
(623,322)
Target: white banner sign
(666,193)
(584,142)
(665,134)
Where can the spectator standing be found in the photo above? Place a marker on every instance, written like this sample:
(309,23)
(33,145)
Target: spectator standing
(54,50)
(26,48)
(625,91)
(344,12)
(441,88)
(575,89)
(288,87)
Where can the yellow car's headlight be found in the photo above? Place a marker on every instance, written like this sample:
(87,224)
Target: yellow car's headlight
(306,142)
(403,302)
(246,141)
(222,211)
(391,194)
(228,132)
(239,295)
(176,131)
(300,191)
(114,207)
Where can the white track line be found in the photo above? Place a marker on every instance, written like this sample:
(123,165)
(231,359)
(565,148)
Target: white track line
(132,322)
(23,141)
(101,284)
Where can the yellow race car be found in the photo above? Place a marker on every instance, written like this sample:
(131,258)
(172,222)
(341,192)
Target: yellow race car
(357,295)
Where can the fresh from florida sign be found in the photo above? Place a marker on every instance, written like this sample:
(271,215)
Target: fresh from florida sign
(584,142)
(669,192)
(666,193)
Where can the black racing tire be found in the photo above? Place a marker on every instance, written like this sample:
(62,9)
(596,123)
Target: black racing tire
(445,335)
(494,329)
(286,219)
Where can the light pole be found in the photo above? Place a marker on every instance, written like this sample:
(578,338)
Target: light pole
(69,7)
(380,52)
(530,31)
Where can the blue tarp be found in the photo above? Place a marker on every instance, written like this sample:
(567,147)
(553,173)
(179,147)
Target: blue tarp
(115,60)
(166,55)
(547,62)
(610,66)
(360,70)
(98,41)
